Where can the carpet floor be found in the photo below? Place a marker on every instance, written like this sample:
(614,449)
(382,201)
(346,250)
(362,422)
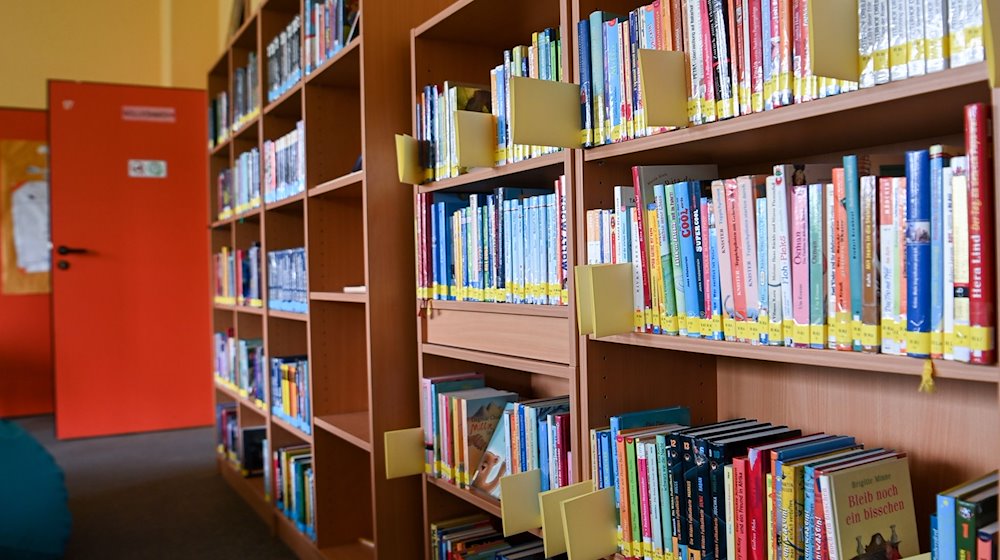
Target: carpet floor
(153,496)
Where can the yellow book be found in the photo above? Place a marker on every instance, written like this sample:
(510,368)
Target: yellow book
(769,492)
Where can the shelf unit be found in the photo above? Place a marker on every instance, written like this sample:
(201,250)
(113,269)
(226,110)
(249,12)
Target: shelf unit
(356,228)
(528,349)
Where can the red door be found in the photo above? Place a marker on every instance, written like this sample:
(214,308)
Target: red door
(130,258)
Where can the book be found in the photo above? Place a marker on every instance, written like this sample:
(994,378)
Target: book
(495,462)
(971,513)
(918,254)
(982,315)
(947,513)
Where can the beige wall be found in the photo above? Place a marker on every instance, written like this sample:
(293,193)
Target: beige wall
(149,42)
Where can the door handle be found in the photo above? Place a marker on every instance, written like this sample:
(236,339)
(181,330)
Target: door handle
(64,250)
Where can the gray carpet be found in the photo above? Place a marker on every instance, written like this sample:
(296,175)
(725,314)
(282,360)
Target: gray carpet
(156,495)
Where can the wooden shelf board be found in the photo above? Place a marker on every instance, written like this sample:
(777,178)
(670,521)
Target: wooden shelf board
(877,116)
(221,223)
(235,395)
(355,551)
(291,429)
(504,308)
(340,297)
(561,371)
(227,390)
(342,183)
(353,427)
(251,213)
(287,201)
(246,129)
(304,317)
(250,489)
(252,407)
(224,306)
(250,310)
(285,104)
(822,358)
(487,22)
(218,149)
(486,503)
(242,38)
(341,70)
(529,172)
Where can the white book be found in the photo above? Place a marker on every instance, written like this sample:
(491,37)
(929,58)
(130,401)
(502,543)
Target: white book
(782,190)
(638,293)
(693,21)
(955,27)
(897,40)
(774,298)
(975,50)
(624,199)
(606,243)
(725,264)
(656,523)
(948,261)
(916,58)
(880,39)
(936,34)
(888,241)
(552,250)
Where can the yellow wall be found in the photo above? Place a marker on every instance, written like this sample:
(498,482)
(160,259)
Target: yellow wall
(148,42)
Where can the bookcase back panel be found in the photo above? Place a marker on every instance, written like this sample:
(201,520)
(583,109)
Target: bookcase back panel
(285,337)
(251,416)
(338,352)
(284,228)
(488,22)
(437,61)
(539,338)
(343,483)
(949,436)
(222,320)
(333,119)
(336,243)
(280,122)
(249,326)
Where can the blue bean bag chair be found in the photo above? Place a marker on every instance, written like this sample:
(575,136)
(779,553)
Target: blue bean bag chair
(34,517)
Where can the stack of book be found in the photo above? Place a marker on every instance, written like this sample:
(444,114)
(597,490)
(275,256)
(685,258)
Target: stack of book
(218,120)
(437,107)
(242,447)
(476,434)
(330,25)
(244,182)
(224,265)
(748,489)
(246,100)
(290,391)
(240,365)
(286,281)
(225,199)
(284,59)
(224,345)
(227,429)
(476,538)
(509,246)
(294,488)
(248,276)
(964,526)
(846,257)
(285,165)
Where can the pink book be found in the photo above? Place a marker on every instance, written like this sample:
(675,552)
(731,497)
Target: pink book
(800,265)
(747,223)
(736,254)
(640,467)
(706,265)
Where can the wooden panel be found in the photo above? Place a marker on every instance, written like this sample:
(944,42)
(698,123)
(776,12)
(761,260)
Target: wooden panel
(539,338)
(333,122)
(352,427)
(338,358)
(950,436)
(498,24)
(249,326)
(336,243)
(284,228)
(343,491)
(285,337)
(437,61)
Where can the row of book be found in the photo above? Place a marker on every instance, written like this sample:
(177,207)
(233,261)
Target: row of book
(290,391)
(237,276)
(330,25)
(475,434)
(293,485)
(509,246)
(816,256)
(437,107)
(475,537)
(241,365)
(218,119)
(284,59)
(246,94)
(743,489)
(239,187)
(243,446)
(287,288)
(964,524)
(748,56)
(285,165)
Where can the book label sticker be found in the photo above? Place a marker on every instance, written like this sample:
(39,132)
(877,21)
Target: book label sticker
(147,168)
(140,113)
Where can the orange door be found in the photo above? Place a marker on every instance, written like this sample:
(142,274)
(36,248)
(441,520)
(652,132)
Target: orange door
(130,270)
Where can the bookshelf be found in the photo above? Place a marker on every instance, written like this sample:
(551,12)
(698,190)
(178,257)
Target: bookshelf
(355,226)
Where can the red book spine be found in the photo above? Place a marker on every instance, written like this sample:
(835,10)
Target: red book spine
(706,262)
(821,546)
(562,439)
(757,468)
(740,507)
(640,204)
(757,57)
(736,251)
(981,300)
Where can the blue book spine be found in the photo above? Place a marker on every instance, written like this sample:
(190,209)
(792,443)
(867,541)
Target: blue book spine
(613,69)
(449,253)
(713,242)
(543,452)
(507,252)
(522,435)
(437,249)
(809,512)
(688,234)
(606,471)
(665,256)
(762,288)
(598,466)
(918,253)
(615,422)
(598,78)
(633,69)
(586,93)
(694,187)
(853,203)
(937,250)
(518,264)
(947,546)
(934,537)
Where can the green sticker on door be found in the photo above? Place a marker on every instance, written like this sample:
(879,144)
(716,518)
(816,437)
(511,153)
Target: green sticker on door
(147,168)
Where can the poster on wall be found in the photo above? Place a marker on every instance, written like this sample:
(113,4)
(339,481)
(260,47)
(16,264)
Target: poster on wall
(24,217)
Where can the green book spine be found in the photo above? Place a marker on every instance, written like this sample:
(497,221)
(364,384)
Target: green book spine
(817,277)
(666,514)
(852,185)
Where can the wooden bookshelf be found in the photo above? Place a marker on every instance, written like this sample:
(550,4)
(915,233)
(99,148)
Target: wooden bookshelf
(356,226)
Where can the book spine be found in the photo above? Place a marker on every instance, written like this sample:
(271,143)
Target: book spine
(653,266)
(763,301)
(948,263)
(986,546)
(981,261)
(756,496)
(645,540)
(586,93)
(787,529)
(724,258)
(783,190)
(817,267)
(918,249)
(666,513)
(748,242)
(639,287)
(739,41)
(711,91)
(674,225)
(716,321)
(784,52)
(690,39)
(852,188)
(597,79)
(757,48)
(622,493)
(800,265)
(880,33)
(635,506)
(770,509)
(899,301)
(689,263)
(967,523)
(729,489)
(897,40)
(776,309)
(644,252)
(916,46)
(741,530)
(887,241)
(937,161)
(831,271)
(960,217)
(737,257)
(655,548)
(870,265)
(708,279)
(668,321)
(936,35)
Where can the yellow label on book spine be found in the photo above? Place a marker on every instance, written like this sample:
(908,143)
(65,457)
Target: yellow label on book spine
(856,331)
(817,335)
(669,324)
(788,329)
(937,344)
(692,110)
(881,58)
(918,343)
(869,335)
(800,334)
(729,327)
(638,320)
(949,344)
(843,331)
(980,339)
(776,332)
(962,336)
